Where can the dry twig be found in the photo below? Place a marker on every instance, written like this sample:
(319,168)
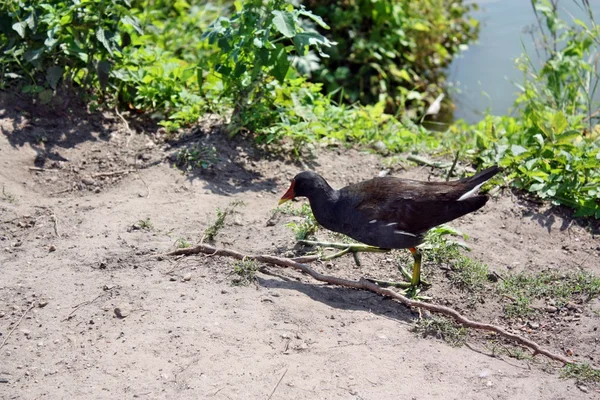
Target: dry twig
(112,173)
(364,284)
(16,325)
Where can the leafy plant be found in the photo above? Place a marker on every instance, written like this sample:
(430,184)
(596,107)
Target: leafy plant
(307,226)
(44,42)
(197,156)
(215,227)
(392,51)
(523,288)
(183,243)
(441,328)
(582,372)
(552,148)
(255,45)
(245,272)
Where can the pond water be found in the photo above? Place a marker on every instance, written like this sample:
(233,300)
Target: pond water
(482,77)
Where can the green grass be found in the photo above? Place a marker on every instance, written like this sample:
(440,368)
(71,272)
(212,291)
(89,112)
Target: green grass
(197,156)
(583,373)
(304,228)
(213,229)
(183,243)
(11,198)
(441,328)
(467,274)
(245,272)
(524,288)
(145,224)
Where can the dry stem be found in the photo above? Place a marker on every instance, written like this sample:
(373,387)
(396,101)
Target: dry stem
(367,285)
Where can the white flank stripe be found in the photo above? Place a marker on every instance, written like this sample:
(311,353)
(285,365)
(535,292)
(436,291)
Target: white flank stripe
(372,221)
(392,224)
(471,192)
(404,233)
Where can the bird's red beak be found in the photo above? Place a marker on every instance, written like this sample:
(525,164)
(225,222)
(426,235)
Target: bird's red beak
(290,194)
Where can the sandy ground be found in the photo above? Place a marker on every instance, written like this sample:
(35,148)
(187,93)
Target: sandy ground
(71,247)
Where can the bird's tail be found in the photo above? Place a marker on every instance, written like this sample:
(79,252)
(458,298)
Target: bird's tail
(483,176)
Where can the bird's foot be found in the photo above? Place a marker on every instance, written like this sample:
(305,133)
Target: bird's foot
(345,248)
(407,288)
(414,282)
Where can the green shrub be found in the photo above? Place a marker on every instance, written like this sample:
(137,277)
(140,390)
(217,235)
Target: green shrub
(44,42)
(393,51)
(552,147)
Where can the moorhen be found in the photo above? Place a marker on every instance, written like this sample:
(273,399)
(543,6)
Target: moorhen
(388,212)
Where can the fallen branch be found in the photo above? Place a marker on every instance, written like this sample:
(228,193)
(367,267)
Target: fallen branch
(364,284)
(112,173)
(16,325)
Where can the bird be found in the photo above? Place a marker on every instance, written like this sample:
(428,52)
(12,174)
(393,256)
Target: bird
(390,212)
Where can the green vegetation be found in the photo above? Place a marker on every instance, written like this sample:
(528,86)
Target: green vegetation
(467,274)
(144,224)
(304,228)
(211,232)
(441,328)
(245,272)
(523,288)
(274,70)
(196,156)
(583,373)
(183,243)
(393,52)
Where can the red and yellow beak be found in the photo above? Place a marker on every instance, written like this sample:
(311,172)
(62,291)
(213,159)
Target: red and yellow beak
(290,194)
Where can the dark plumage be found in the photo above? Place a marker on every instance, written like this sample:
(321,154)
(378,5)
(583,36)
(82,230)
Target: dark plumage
(389,212)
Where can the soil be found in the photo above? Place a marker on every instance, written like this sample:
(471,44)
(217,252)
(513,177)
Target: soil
(89,203)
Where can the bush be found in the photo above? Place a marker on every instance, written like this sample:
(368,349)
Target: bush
(42,43)
(393,51)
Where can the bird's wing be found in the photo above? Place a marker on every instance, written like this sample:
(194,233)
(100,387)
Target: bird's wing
(414,206)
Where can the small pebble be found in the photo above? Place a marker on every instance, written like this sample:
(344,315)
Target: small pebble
(51,248)
(584,389)
(42,303)
(187,277)
(122,312)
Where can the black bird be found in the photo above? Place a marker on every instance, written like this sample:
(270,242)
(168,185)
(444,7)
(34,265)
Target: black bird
(388,212)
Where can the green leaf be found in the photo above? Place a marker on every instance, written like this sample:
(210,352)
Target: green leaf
(419,26)
(517,150)
(559,123)
(53,75)
(45,96)
(20,28)
(281,64)
(101,36)
(568,137)
(133,22)
(314,17)
(284,22)
(304,40)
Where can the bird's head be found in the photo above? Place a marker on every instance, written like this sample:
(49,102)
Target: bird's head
(304,185)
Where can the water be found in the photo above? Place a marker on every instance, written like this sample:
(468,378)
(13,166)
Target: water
(484,73)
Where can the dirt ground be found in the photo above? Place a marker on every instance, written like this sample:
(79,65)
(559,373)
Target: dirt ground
(73,250)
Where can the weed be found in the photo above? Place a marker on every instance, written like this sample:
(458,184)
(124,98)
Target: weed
(441,328)
(182,243)
(304,228)
(8,196)
(197,156)
(523,288)
(511,351)
(468,274)
(211,232)
(144,224)
(583,372)
(245,272)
